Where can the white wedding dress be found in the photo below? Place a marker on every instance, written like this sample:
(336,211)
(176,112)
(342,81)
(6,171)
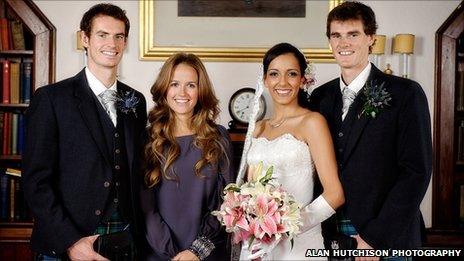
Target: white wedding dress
(294,169)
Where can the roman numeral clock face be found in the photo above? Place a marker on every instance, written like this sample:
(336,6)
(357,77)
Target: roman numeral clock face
(241,106)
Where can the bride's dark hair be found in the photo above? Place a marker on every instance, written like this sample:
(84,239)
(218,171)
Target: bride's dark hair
(284,48)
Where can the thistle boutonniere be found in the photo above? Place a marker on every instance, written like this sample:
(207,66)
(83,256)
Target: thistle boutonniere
(376,98)
(126,102)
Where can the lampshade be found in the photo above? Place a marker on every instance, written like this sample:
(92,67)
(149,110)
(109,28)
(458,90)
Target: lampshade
(403,43)
(79,41)
(379,44)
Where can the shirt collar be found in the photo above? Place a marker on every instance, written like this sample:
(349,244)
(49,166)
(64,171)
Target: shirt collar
(358,82)
(96,85)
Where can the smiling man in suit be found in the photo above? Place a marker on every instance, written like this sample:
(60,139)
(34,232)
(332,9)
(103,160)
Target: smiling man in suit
(83,144)
(381,130)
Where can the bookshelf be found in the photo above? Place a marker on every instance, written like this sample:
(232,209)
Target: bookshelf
(28,48)
(448,178)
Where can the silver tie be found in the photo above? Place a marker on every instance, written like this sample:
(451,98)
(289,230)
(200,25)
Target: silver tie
(348,96)
(108,99)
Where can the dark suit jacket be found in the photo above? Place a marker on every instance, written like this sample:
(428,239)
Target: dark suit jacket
(67,166)
(386,163)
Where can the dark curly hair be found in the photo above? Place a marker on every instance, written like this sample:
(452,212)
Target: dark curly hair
(284,48)
(353,11)
(104,9)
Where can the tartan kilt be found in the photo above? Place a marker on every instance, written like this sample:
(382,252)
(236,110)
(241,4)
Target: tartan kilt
(114,224)
(344,226)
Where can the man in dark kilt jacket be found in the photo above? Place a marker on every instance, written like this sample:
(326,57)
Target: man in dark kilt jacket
(83,145)
(380,125)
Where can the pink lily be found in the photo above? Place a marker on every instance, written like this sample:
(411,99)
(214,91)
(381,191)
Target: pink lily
(267,217)
(234,212)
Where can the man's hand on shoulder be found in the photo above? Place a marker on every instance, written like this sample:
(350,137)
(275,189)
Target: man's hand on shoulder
(83,250)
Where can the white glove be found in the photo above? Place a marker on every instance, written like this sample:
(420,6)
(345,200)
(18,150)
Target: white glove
(262,248)
(314,213)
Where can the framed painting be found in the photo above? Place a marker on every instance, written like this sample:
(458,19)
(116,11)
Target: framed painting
(164,30)
(242,8)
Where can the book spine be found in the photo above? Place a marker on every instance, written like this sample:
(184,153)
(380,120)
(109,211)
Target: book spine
(21,80)
(4,33)
(2,91)
(10,36)
(19,206)
(6,135)
(21,134)
(12,199)
(14,134)
(2,120)
(14,82)
(6,81)
(26,85)
(3,196)
(17,35)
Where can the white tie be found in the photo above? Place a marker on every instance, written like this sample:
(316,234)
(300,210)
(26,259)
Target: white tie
(348,98)
(108,99)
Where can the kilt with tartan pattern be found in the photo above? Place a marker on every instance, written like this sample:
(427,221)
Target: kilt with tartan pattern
(344,226)
(114,224)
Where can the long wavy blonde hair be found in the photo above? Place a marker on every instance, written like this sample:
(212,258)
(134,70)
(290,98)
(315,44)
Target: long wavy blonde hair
(162,149)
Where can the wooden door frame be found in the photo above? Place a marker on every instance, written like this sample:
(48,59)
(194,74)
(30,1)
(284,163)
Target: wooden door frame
(445,68)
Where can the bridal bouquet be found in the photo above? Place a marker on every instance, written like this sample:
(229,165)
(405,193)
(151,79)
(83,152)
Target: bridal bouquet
(260,210)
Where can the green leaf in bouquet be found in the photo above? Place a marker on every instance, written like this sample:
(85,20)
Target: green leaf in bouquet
(250,242)
(268,176)
(232,187)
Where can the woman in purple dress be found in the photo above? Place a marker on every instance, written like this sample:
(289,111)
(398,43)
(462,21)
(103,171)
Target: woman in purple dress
(188,164)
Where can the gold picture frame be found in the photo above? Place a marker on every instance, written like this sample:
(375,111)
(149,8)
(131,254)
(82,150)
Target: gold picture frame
(149,51)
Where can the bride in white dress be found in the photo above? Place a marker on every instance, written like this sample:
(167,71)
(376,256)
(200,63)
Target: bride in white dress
(296,142)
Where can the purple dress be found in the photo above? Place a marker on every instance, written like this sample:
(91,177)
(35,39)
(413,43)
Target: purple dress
(179,212)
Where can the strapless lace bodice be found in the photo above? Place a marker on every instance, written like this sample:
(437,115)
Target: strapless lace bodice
(294,169)
(293,165)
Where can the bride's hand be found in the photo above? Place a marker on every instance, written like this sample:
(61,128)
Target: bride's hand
(258,250)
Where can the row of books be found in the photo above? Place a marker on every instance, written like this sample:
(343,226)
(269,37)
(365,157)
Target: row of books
(11,30)
(13,206)
(12,133)
(16,80)
(11,35)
